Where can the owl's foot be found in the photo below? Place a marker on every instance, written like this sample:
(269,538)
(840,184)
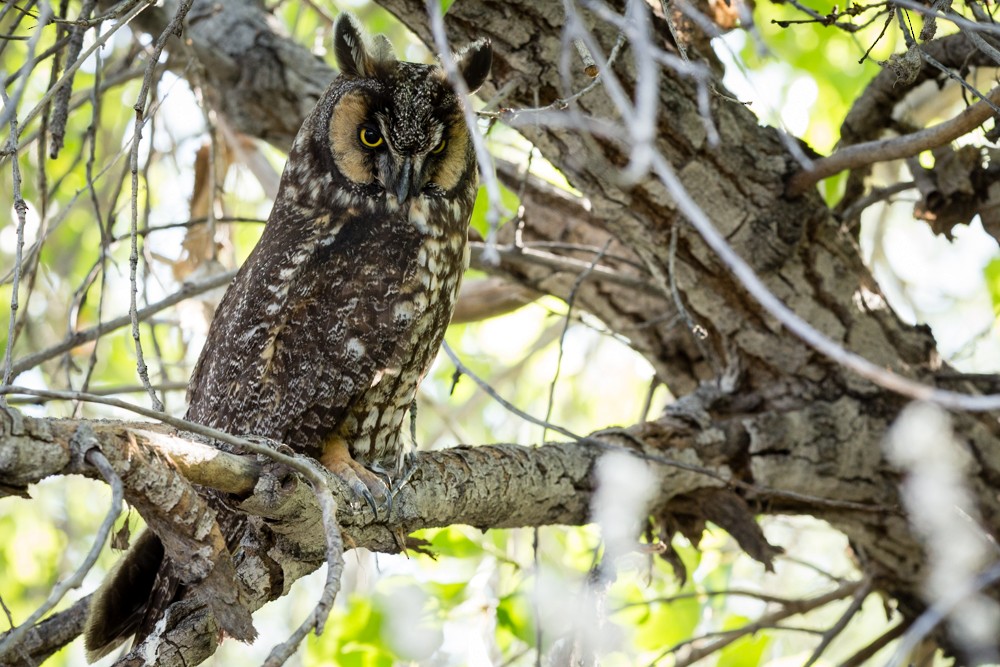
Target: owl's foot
(409,467)
(402,475)
(363,482)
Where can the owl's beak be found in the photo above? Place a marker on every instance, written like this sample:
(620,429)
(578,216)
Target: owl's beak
(404,185)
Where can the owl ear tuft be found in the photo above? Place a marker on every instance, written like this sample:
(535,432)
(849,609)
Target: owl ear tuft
(474,62)
(356,55)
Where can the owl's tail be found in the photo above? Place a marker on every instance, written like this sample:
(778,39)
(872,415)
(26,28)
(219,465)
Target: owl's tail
(136,590)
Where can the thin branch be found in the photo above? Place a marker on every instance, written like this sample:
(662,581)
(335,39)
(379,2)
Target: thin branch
(462,369)
(854,211)
(21,210)
(702,595)
(863,656)
(860,595)
(496,209)
(331,586)
(528,256)
(186,291)
(140,121)
(105,391)
(961,22)
(571,298)
(563,102)
(726,638)
(882,150)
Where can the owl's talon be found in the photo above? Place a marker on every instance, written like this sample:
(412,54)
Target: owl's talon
(388,503)
(369,498)
(409,468)
(382,474)
(364,483)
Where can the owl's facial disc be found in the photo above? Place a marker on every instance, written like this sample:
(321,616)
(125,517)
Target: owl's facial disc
(392,145)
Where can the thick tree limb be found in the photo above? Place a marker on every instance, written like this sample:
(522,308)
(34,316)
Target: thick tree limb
(489,487)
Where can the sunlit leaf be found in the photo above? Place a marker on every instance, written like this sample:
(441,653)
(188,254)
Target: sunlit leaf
(508,198)
(992,273)
(515,616)
(745,651)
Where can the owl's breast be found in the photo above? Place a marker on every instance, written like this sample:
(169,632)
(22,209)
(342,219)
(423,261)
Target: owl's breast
(427,250)
(442,250)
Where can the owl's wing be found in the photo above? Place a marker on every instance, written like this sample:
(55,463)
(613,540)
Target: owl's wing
(304,331)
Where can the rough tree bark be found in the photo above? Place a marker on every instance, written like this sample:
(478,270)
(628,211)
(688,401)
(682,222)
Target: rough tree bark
(763,422)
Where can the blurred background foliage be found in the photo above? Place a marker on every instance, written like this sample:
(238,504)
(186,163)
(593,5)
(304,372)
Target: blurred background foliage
(482,598)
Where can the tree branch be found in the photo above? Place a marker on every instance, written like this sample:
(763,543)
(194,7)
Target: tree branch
(868,153)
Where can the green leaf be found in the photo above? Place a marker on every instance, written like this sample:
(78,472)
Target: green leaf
(446,5)
(353,637)
(746,651)
(668,624)
(514,616)
(992,273)
(454,543)
(507,197)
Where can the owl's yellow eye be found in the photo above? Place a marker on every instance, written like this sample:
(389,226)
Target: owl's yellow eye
(439,148)
(370,138)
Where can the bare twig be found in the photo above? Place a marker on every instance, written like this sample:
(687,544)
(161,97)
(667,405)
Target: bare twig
(854,211)
(496,210)
(331,586)
(140,120)
(105,391)
(464,370)
(186,291)
(863,656)
(528,255)
(563,102)
(860,595)
(793,608)
(21,209)
(870,152)
(702,595)
(570,299)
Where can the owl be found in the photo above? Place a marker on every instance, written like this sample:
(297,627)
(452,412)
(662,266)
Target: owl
(323,336)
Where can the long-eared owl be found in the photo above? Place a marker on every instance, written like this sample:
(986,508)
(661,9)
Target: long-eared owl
(323,336)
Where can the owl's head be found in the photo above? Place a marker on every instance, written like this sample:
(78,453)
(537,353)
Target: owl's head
(393,130)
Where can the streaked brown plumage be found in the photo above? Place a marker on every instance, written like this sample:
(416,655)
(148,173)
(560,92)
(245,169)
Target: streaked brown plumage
(326,331)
